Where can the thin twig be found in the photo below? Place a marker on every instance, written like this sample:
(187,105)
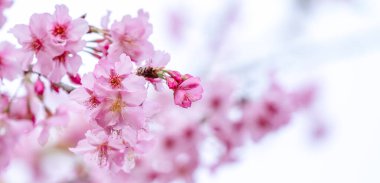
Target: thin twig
(61,85)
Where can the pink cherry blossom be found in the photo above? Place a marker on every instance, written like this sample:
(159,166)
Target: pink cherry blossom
(34,39)
(23,108)
(86,95)
(116,76)
(304,97)
(187,91)
(63,29)
(5,142)
(10,131)
(55,68)
(58,119)
(102,150)
(77,125)
(115,93)
(116,109)
(55,40)
(113,71)
(218,96)
(231,135)
(273,111)
(130,36)
(143,172)
(5,4)
(9,65)
(179,150)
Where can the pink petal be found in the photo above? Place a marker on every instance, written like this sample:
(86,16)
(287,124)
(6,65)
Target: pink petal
(38,24)
(57,73)
(79,95)
(124,66)
(22,33)
(78,28)
(73,64)
(44,135)
(160,59)
(134,99)
(83,147)
(105,20)
(134,83)
(62,14)
(134,117)
(88,81)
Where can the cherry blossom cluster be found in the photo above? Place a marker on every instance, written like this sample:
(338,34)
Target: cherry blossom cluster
(120,116)
(221,117)
(171,145)
(54,40)
(114,93)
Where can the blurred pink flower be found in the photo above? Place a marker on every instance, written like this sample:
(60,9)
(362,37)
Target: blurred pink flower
(59,119)
(100,148)
(9,65)
(273,111)
(10,132)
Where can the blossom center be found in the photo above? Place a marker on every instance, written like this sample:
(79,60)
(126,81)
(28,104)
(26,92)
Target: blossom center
(169,143)
(36,45)
(263,123)
(272,108)
(129,40)
(216,103)
(115,80)
(93,102)
(118,105)
(59,30)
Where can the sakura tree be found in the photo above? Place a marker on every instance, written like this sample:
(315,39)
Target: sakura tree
(132,118)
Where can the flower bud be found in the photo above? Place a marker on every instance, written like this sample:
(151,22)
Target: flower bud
(75,79)
(171,82)
(39,87)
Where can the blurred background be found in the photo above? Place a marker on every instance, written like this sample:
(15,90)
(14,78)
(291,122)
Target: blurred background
(332,43)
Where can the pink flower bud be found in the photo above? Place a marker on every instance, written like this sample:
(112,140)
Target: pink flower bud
(54,87)
(176,75)
(172,83)
(75,79)
(186,76)
(187,92)
(39,87)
